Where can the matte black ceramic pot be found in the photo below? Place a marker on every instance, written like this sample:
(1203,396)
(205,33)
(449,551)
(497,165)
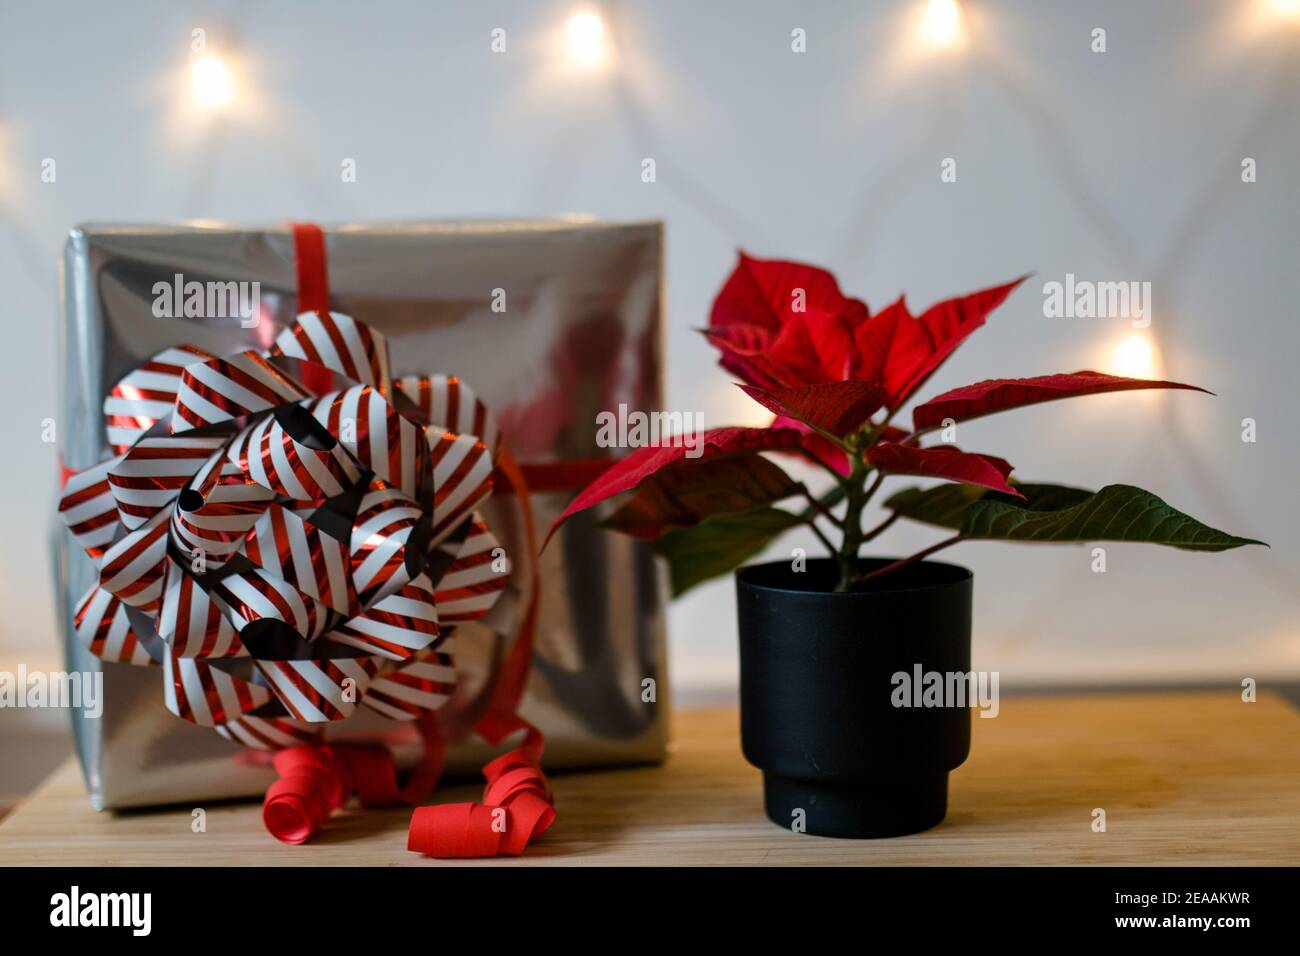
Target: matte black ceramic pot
(819,694)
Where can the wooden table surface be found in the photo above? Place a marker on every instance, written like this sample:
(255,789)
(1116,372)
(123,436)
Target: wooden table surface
(1184,778)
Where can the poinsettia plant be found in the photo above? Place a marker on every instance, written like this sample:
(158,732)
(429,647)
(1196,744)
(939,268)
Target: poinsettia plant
(836,375)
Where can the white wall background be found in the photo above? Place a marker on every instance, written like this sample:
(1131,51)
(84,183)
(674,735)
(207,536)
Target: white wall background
(1116,166)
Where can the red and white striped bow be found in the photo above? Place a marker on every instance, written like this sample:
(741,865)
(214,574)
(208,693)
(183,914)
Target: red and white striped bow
(285,550)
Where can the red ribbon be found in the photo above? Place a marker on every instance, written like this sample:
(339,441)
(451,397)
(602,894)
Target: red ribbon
(558,475)
(313,289)
(517,807)
(517,804)
(313,280)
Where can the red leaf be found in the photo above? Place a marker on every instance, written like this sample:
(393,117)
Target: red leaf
(813,443)
(744,350)
(641,463)
(683,496)
(784,323)
(999,394)
(759,292)
(831,335)
(943,462)
(793,354)
(741,338)
(902,351)
(839,408)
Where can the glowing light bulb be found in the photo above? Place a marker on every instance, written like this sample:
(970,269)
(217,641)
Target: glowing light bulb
(942,25)
(1135,357)
(1287,8)
(587,44)
(212,84)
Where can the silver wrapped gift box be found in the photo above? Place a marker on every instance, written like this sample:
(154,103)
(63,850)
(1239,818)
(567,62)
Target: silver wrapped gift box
(549,321)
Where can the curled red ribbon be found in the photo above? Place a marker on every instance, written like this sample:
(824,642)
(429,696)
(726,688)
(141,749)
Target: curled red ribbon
(517,807)
(315,781)
(311,787)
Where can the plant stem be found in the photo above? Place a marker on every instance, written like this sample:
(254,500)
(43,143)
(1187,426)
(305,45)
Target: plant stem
(851,526)
(873,436)
(811,522)
(875,486)
(820,508)
(904,562)
(880,528)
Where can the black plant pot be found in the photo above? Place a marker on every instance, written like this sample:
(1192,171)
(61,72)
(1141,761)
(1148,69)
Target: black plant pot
(819,699)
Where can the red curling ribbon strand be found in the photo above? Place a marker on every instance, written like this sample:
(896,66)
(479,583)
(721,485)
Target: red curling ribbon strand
(501,717)
(375,772)
(517,807)
(429,770)
(317,780)
(314,782)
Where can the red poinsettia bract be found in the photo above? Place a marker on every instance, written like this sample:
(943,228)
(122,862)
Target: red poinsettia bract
(836,375)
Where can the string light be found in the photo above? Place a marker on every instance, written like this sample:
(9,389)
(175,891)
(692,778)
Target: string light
(213,88)
(1135,357)
(588,47)
(942,24)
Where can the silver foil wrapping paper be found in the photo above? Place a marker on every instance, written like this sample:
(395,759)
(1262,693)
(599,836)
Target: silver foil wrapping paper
(580,333)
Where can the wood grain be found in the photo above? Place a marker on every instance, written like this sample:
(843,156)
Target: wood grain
(1184,778)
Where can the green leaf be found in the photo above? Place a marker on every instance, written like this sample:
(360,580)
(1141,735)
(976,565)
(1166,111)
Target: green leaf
(1116,513)
(719,544)
(945,505)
